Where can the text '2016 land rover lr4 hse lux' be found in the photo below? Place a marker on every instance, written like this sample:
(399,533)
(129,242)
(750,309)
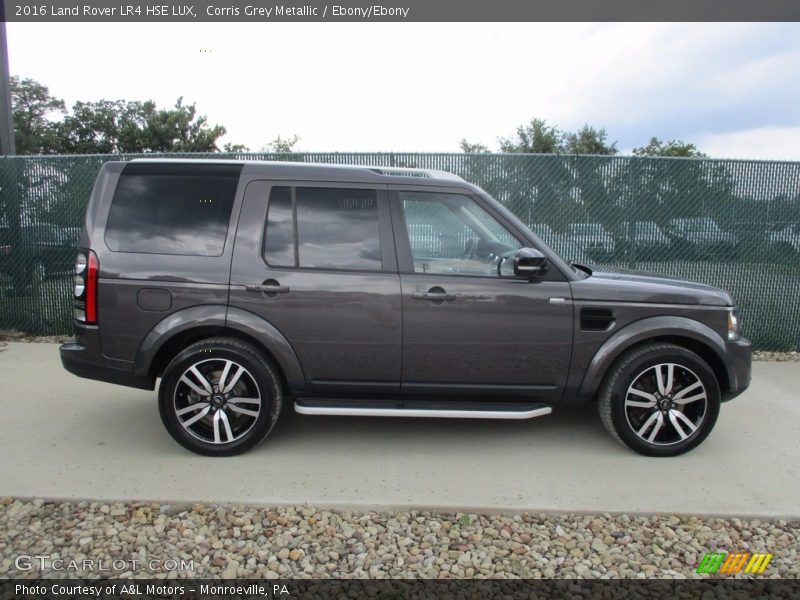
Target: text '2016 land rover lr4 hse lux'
(381,292)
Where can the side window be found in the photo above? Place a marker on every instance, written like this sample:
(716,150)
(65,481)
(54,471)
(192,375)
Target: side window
(323,228)
(170,214)
(452,234)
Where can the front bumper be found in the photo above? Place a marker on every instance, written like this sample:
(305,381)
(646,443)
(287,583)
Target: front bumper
(739,366)
(82,357)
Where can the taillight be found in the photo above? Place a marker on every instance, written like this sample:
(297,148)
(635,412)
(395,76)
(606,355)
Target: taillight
(87,268)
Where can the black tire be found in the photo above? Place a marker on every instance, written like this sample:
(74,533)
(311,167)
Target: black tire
(236,432)
(636,369)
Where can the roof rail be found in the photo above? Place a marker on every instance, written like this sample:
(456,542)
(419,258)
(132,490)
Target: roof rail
(410,172)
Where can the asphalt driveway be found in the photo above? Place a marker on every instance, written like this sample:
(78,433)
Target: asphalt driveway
(64,437)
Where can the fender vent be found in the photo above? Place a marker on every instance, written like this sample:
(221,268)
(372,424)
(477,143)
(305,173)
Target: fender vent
(596,319)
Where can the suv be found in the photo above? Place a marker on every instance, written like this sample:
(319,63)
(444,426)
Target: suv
(380,292)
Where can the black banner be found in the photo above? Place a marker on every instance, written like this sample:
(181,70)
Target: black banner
(494,589)
(154,11)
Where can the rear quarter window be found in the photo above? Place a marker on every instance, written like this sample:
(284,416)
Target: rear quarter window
(172,210)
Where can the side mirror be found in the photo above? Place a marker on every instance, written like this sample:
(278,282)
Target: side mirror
(529,262)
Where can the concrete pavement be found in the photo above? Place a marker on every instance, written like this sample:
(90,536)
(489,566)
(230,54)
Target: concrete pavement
(67,438)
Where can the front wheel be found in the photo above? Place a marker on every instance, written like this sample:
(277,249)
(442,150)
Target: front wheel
(220,397)
(660,400)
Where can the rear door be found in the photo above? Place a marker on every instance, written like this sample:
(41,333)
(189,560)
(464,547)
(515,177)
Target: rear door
(469,329)
(317,261)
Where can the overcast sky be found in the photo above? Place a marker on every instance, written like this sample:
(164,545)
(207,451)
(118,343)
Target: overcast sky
(732,89)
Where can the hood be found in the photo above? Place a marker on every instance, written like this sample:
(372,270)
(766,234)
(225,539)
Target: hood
(637,286)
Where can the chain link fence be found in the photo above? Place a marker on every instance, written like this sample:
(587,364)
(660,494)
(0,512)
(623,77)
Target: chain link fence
(729,223)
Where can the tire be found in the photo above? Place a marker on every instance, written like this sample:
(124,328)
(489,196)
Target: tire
(646,420)
(220,420)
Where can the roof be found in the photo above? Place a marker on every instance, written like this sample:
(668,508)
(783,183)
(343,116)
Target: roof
(324,171)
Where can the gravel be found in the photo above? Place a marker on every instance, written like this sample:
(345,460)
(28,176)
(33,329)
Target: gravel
(303,542)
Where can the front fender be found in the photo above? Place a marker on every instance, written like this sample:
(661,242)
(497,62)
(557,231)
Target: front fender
(639,331)
(222,317)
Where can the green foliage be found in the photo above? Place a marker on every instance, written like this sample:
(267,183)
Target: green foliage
(537,137)
(34,107)
(280,145)
(588,141)
(105,126)
(673,148)
(470,148)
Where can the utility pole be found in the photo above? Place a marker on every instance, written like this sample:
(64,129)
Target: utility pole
(6,119)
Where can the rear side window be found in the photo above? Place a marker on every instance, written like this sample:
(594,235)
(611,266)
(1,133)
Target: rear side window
(323,228)
(174,210)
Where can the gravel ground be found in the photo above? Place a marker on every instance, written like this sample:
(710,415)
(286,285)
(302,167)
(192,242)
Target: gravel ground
(301,542)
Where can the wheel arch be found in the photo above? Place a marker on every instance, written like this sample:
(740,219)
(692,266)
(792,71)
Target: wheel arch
(681,331)
(191,325)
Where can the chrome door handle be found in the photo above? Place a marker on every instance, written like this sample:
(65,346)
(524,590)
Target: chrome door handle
(267,289)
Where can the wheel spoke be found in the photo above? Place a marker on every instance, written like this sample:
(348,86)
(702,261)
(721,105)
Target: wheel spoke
(201,379)
(657,428)
(701,396)
(687,389)
(197,417)
(224,418)
(651,399)
(685,420)
(677,425)
(234,380)
(190,408)
(217,440)
(194,386)
(244,401)
(242,411)
(648,423)
(665,383)
(224,375)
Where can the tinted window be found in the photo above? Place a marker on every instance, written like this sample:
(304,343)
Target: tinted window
(451,234)
(279,241)
(336,229)
(170,214)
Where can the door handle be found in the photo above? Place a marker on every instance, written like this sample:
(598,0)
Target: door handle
(434,294)
(267,288)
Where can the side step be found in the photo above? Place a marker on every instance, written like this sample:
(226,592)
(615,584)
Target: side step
(319,406)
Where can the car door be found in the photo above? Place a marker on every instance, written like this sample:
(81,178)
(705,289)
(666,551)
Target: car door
(470,327)
(317,261)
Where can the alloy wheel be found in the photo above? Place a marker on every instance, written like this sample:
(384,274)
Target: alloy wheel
(217,401)
(666,404)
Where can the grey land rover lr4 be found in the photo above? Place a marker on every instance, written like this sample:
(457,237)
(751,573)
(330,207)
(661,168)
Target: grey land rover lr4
(381,292)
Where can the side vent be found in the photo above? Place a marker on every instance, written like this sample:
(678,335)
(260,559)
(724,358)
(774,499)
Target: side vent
(596,319)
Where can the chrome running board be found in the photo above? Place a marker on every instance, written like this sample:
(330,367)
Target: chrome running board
(343,411)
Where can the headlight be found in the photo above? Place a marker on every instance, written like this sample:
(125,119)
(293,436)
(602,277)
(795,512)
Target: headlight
(733,324)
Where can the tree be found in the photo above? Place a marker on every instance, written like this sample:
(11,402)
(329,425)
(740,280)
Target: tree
(33,109)
(470,148)
(43,125)
(235,148)
(280,145)
(537,137)
(673,148)
(588,140)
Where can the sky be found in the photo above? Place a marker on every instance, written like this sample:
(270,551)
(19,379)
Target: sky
(731,89)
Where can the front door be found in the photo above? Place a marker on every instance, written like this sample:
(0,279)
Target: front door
(317,262)
(470,327)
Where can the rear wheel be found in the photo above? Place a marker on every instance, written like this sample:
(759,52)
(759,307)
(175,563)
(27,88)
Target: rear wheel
(220,397)
(660,400)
